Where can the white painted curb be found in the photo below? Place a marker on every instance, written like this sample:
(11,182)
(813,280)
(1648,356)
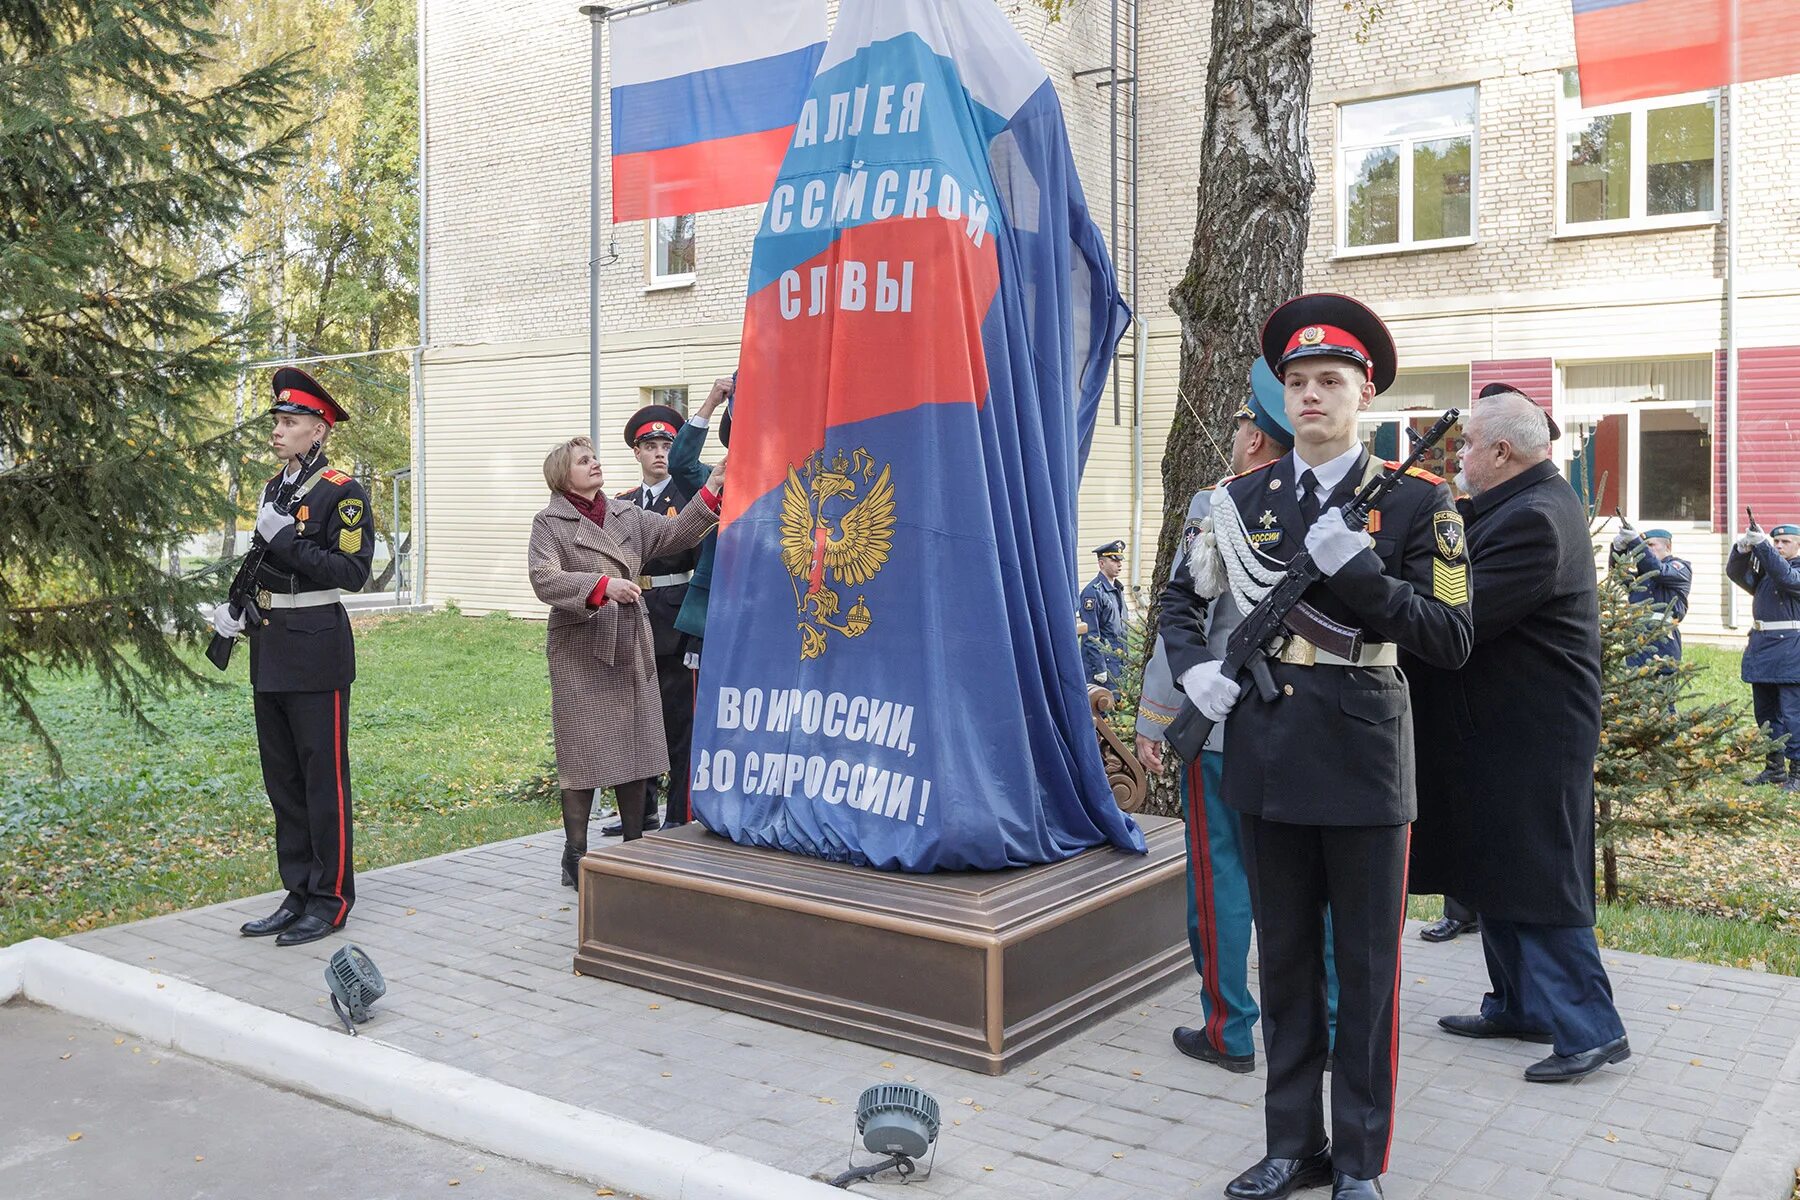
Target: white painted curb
(1766,1161)
(382,1081)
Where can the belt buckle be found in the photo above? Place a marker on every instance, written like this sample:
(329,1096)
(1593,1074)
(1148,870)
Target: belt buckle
(1299,652)
(643,581)
(265,599)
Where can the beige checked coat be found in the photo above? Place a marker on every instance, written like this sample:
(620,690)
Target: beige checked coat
(604,703)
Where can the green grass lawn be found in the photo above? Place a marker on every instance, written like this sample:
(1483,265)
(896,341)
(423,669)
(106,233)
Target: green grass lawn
(448,714)
(450,717)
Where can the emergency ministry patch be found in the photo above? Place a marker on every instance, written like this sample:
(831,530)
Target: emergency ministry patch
(1189,532)
(350,511)
(350,541)
(1450,581)
(1447,527)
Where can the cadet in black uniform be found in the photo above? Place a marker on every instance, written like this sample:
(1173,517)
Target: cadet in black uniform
(650,433)
(302,661)
(1323,775)
(1103,609)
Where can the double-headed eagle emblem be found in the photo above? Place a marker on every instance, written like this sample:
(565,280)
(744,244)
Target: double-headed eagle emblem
(820,538)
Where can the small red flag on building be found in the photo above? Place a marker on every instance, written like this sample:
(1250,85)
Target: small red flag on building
(1630,49)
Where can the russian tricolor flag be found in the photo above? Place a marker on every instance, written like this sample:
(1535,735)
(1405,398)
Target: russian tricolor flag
(1631,49)
(704,98)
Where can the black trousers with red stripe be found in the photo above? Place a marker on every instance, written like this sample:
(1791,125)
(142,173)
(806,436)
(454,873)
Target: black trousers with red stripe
(676,682)
(1360,872)
(304,737)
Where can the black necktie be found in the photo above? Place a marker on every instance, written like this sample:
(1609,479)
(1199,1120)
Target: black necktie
(1309,497)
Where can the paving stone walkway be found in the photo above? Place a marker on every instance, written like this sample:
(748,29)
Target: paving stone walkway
(477,949)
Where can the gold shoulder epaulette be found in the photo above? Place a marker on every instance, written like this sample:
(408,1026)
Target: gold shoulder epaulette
(1251,471)
(623,494)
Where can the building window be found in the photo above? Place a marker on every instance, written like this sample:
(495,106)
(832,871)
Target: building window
(674,397)
(1640,165)
(1408,170)
(672,251)
(1415,402)
(1638,436)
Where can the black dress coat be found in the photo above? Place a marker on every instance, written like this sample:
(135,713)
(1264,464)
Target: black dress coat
(1335,746)
(1506,745)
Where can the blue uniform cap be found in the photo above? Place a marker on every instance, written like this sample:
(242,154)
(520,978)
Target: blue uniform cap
(1266,407)
(1664,534)
(1785,531)
(1113,549)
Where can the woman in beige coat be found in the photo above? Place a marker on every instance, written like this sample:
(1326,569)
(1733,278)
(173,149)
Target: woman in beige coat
(585,554)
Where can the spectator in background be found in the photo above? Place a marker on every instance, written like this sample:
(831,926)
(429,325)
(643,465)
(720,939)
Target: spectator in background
(1767,565)
(1661,579)
(605,708)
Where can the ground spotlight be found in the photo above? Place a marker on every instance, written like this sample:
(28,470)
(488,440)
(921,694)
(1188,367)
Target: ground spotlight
(356,984)
(897,1121)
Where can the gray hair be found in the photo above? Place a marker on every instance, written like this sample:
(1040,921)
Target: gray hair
(1516,420)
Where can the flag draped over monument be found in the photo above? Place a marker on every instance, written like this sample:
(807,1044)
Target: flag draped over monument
(891,672)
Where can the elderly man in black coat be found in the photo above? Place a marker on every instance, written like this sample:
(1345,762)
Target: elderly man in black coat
(1506,750)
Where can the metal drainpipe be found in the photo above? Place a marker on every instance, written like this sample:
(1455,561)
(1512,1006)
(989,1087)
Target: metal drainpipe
(1731,330)
(1140,338)
(417,475)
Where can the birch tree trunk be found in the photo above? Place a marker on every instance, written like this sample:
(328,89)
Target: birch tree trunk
(1256,184)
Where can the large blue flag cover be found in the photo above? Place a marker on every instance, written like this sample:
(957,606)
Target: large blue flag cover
(891,673)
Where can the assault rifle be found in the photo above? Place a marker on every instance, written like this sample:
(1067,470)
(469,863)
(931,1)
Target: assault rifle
(241,598)
(1274,619)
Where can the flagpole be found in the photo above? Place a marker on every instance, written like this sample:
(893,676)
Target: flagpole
(596,15)
(1731,291)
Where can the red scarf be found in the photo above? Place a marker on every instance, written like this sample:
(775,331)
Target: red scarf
(594,510)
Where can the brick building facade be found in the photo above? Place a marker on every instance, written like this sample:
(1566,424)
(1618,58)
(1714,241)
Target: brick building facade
(1503,232)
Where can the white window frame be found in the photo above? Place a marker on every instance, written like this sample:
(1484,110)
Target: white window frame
(1407,244)
(1570,412)
(660,282)
(655,394)
(1570,113)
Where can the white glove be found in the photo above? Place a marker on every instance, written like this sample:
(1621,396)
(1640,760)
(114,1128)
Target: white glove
(1623,540)
(270,521)
(1212,693)
(1751,538)
(1333,543)
(224,622)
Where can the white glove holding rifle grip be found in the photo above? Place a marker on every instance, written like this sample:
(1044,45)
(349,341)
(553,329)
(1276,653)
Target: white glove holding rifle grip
(1332,543)
(271,521)
(1751,538)
(224,622)
(1212,693)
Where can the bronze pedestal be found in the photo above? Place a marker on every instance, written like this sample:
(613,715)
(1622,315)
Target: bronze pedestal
(976,969)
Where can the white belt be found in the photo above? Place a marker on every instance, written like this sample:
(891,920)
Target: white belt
(299,599)
(656,581)
(1301,653)
(1775,625)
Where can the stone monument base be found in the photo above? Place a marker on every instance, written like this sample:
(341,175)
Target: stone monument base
(976,969)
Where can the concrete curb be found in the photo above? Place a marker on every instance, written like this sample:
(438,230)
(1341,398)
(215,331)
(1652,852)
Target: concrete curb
(384,1082)
(1767,1160)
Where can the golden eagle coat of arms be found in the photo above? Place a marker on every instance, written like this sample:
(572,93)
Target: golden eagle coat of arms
(820,536)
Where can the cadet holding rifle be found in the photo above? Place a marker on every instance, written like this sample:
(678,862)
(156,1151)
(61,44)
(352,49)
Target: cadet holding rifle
(1319,754)
(313,541)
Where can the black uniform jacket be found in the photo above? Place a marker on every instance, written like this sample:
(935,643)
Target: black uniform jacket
(330,545)
(662,605)
(1335,747)
(1507,744)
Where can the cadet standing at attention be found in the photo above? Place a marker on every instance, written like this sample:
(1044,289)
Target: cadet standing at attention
(1322,775)
(303,659)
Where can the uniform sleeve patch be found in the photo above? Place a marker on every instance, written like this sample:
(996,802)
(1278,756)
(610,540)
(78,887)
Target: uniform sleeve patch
(1447,531)
(350,541)
(1450,581)
(1088,603)
(350,511)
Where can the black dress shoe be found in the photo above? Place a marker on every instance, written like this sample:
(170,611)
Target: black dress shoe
(1273,1178)
(613,829)
(1193,1043)
(1447,928)
(1566,1068)
(1768,775)
(1346,1188)
(1478,1026)
(307,929)
(275,922)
